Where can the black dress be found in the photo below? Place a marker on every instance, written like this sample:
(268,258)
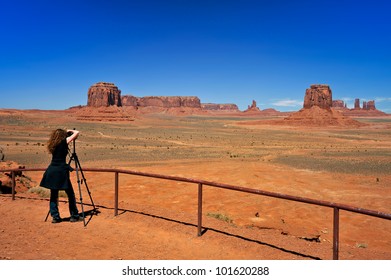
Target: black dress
(56,176)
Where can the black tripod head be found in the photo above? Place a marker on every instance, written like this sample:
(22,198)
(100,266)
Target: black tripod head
(70,133)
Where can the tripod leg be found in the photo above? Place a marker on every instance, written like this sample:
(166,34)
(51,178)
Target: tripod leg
(80,194)
(79,182)
(88,190)
(83,179)
(47,216)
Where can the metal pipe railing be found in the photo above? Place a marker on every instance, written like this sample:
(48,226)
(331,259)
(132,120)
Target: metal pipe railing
(336,233)
(116,193)
(199,224)
(335,206)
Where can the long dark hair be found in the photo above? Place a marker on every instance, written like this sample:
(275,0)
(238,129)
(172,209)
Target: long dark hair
(55,138)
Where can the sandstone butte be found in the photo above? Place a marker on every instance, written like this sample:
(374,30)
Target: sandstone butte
(317,110)
(318,95)
(104,94)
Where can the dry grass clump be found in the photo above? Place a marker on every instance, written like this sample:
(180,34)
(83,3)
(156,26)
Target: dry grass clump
(44,192)
(220,217)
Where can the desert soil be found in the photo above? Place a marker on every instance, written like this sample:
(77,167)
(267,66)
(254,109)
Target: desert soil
(158,218)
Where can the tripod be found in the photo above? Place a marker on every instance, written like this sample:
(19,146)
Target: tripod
(80,181)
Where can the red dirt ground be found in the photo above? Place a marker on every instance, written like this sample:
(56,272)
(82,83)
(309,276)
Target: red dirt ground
(161,224)
(158,218)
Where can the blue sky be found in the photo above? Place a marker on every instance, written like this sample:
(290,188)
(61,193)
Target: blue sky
(222,51)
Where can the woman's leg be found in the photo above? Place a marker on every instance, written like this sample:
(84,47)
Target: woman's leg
(72,202)
(54,204)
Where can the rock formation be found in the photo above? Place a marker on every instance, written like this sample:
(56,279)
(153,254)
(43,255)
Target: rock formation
(319,117)
(253,105)
(318,95)
(317,110)
(169,101)
(371,105)
(129,100)
(357,104)
(23,183)
(368,110)
(339,104)
(2,154)
(105,97)
(104,94)
(366,105)
(105,114)
(190,101)
(219,107)
(252,108)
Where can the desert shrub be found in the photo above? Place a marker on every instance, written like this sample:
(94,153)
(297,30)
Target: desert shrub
(361,245)
(220,217)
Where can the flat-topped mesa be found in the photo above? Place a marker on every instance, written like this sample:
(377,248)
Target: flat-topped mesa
(339,104)
(219,107)
(129,100)
(318,95)
(169,101)
(104,94)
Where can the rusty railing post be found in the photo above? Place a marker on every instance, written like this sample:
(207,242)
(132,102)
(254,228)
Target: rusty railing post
(336,234)
(116,195)
(13,184)
(199,209)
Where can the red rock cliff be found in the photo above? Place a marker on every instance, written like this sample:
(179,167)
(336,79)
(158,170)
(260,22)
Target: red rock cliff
(169,101)
(219,107)
(318,95)
(339,104)
(129,100)
(103,94)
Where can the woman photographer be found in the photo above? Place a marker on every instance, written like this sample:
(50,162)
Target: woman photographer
(56,176)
